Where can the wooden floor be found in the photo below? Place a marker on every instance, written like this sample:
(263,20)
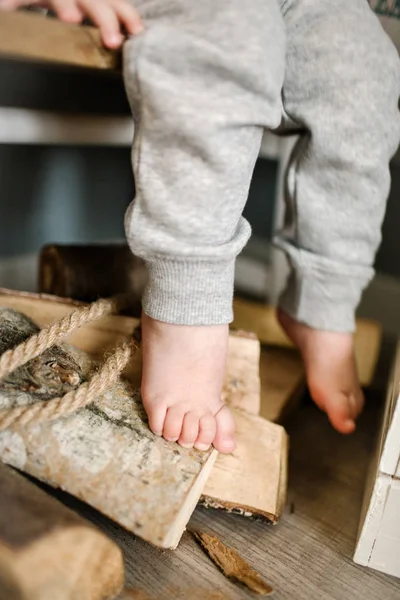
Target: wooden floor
(306,556)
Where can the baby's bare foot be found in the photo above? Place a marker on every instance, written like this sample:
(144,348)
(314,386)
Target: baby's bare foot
(331,371)
(183,373)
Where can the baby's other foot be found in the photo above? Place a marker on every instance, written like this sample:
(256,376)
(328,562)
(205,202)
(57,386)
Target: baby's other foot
(183,373)
(331,371)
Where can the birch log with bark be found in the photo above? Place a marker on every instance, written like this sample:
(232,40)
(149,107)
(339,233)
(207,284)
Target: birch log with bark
(104,454)
(48,552)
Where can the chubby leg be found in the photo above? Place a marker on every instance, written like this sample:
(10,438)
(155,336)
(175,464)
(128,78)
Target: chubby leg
(203,79)
(341,91)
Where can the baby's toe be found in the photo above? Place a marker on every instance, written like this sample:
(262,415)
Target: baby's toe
(342,409)
(173,423)
(224,440)
(207,431)
(156,415)
(190,429)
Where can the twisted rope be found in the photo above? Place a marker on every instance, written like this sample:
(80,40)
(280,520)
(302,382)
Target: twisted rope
(87,392)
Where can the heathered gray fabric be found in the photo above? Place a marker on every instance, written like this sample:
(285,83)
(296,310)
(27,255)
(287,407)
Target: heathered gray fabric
(204,80)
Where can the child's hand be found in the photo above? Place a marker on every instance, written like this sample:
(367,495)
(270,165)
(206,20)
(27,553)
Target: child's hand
(110,16)
(331,371)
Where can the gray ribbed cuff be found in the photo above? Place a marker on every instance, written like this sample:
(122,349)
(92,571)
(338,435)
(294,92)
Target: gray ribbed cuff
(322,293)
(189,293)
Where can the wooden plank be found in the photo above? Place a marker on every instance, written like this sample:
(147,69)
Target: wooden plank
(252,480)
(282,382)
(48,551)
(105,454)
(34,37)
(261,319)
(241,391)
(242,380)
(378,544)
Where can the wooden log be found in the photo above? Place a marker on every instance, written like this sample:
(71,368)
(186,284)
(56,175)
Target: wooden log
(105,454)
(48,551)
(89,272)
(37,38)
(249,316)
(265,461)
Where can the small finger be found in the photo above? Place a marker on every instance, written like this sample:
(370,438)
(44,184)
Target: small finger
(67,10)
(105,18)
(129,17)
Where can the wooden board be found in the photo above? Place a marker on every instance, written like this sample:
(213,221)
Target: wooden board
(282,382)
(105,453)
(261,319)
(241,391)
(252,480)
(378,544)
(36,38)
(48,551)
(242,380)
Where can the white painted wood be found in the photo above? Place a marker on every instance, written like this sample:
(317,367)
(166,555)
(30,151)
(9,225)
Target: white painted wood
(378,544)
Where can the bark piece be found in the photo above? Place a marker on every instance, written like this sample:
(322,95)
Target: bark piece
(48,551)
(232,564)
(106,455)
(261,319)
(35,38)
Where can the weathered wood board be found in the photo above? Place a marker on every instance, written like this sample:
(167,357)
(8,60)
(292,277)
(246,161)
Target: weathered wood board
(106,455)
(36,38)
(241,391)
(283,382)
(48,552)
(253,480)
(261,319)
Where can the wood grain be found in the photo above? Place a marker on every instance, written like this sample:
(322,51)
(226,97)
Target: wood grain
(36,38)
(261,319)
(48,551)
(252,480)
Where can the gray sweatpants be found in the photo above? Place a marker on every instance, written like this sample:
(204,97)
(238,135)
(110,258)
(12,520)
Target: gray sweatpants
(204,80)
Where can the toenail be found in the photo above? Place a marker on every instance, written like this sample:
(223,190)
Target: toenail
(185,445)
(229,446)
(171,439)
(202,447)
